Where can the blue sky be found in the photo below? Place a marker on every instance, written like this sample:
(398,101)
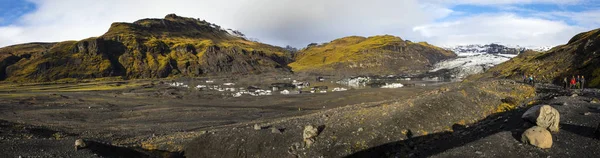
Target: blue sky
(524,10)
(297,23)
(11,10)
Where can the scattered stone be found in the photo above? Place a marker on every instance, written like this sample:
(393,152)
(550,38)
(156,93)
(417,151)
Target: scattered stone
(574,95)
(257,127)
(587,113)
(544,116)
(565,104)
(537,136)
(478,152)
(275,130)
(510,101)
(360,129)
(595,101)
(79,143)
(309,134)
(294,149)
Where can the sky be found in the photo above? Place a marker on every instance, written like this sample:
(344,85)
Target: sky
(300,22)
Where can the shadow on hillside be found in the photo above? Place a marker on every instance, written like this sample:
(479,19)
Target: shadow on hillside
(579,130)
(432,144)
(111,151)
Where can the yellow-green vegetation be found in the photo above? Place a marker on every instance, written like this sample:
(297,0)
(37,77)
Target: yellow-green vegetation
(578,57)
(505,107)
(342,50)
(378,55)
(68,85)
(148,48)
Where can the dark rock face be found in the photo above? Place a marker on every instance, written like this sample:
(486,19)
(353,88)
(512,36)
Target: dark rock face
(148,48)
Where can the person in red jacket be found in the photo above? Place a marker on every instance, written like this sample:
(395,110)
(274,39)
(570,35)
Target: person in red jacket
(573,82)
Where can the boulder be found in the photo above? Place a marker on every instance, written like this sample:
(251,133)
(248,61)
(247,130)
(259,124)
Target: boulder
(510,101)
(537,136)
(257,127)
(309,134)
(275,130)
(79,143)
(595,101)
(544,116)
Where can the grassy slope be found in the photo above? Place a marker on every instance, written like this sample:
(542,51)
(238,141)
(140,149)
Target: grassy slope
(581,56)
(355,49)
(146,48)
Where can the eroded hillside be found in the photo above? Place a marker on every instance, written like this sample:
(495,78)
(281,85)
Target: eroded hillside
(148,48)
(375,55)
(580,56)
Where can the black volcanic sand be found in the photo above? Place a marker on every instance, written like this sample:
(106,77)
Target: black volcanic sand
(407,122)
(427,127)
(130,113)
(499,135)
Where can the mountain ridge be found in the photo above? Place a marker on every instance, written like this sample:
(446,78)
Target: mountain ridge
(375,55)
(580,56)
(147,48)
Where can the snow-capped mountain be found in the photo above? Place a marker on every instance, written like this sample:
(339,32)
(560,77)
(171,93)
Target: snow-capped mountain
(474,59)
(470,63)
(493,49)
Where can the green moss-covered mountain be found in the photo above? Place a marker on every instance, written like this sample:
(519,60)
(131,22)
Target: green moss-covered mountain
(377,55)
(580,56)
(147,48)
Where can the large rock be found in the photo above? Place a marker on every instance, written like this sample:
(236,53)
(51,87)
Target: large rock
(544,116)
(537,136)
(79,143)
(309,134)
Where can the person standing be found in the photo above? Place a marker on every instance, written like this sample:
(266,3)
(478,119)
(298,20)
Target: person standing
(578,82)
(582,80)
(531,79)
(566,83)
(573,82)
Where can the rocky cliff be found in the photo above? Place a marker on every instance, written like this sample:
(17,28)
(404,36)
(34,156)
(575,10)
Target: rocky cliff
(147,48)
(580,56)
(377,55)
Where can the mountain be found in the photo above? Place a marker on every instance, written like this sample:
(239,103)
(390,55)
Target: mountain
(580,56)
(147,48)
(468,64)
(377,55)
(492,49)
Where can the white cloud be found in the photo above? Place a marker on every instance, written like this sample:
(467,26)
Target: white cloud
(278,22)
(498,28)
(504,2)
(590,18)
(297,23)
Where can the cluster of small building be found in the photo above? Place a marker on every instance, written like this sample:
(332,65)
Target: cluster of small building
(355,81)
(178,84)
(295,87)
